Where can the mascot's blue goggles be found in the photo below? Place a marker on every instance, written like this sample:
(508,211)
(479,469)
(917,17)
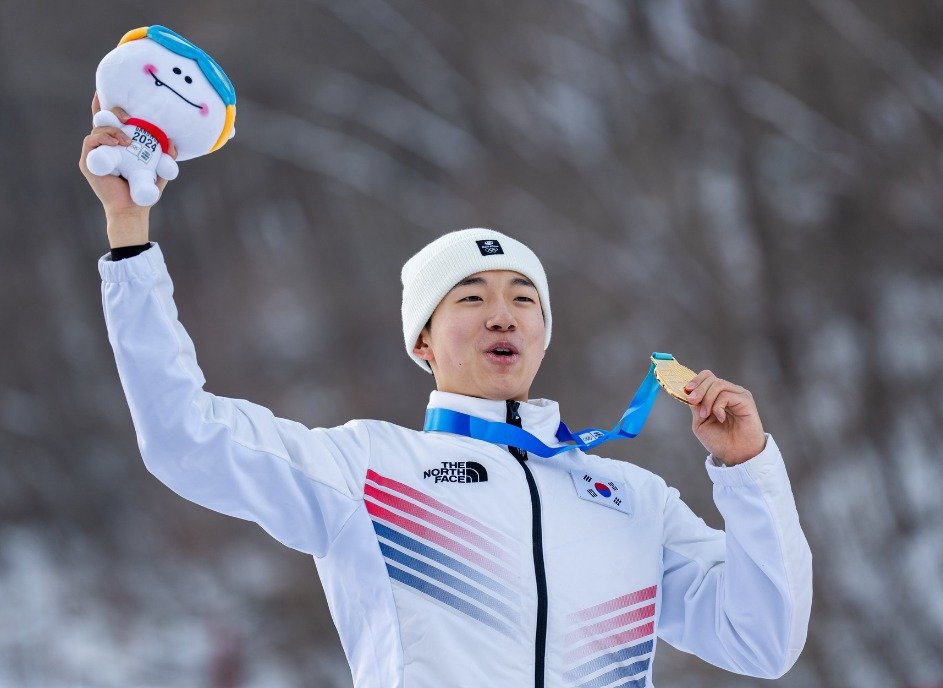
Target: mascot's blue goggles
(176,43)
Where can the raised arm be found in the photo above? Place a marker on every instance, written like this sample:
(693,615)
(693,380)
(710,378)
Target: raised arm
(229,455)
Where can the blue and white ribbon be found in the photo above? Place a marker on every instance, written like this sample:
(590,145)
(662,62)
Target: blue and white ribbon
(629,426)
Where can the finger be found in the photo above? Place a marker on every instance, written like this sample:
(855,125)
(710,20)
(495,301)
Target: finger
(100,136)
(114,132)
(96,106)
(721,403)
(735,401)
(121,114)
(698,380)
(708,379)
(105,136)
(714,387)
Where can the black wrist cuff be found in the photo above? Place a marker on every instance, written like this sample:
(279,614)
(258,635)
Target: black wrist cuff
(123,252)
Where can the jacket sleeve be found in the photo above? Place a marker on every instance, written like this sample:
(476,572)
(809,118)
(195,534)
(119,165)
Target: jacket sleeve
(739,598)
(229,455)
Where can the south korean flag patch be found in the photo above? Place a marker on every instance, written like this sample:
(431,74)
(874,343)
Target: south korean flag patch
(599,490)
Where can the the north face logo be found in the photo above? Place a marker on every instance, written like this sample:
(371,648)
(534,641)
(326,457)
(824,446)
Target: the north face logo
(489,247)
(457,472)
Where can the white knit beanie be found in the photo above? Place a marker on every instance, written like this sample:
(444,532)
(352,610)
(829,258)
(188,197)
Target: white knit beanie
(430,274)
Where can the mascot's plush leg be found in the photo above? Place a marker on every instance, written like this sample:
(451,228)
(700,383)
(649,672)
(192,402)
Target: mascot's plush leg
(143,189)
(103,160)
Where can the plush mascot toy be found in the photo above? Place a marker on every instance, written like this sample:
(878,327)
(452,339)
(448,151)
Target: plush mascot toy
(174,92)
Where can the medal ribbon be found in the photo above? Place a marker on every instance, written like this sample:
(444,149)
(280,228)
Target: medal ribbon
(629,426)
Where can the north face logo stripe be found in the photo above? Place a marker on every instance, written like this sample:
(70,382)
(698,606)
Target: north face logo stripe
(604,648)
(444,554)
(392,485)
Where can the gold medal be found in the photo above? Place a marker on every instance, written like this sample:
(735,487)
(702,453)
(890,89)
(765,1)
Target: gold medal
(672,376)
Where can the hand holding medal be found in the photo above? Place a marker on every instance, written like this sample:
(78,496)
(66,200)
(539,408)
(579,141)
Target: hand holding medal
(724,416)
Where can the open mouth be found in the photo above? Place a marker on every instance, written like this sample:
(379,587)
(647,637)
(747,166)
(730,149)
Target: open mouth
(158,82)
(503,352)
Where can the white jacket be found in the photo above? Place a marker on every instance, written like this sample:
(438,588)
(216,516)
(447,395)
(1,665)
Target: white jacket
(429,545)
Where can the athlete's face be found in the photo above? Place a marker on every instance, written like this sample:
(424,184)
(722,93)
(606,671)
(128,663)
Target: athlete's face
(486,337)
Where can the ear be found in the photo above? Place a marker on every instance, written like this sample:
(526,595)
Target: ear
(423,348)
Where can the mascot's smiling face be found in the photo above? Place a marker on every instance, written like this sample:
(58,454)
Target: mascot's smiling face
(155,84)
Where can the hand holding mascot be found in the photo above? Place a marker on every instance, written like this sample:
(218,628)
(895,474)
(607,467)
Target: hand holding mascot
(173,91)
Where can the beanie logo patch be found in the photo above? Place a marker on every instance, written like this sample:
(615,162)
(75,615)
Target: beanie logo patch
(489,247)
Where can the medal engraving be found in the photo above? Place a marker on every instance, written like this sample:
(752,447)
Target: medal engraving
(672,376)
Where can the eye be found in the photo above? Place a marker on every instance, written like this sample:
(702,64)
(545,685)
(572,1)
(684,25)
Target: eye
(177,70)
(472,297)
(525,298)
(188,79)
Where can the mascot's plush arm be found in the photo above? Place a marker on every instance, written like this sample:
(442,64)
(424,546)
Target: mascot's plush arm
(167,167)
(106,118)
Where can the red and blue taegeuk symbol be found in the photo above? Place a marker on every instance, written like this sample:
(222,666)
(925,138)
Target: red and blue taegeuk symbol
(603,490)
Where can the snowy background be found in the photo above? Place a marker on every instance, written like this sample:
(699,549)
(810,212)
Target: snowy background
(756,186)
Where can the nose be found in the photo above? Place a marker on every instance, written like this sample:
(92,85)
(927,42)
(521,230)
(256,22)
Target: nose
(502,319)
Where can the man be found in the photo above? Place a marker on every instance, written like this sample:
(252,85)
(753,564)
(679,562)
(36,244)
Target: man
(448,560)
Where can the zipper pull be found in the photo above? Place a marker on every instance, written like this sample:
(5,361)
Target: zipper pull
(514,418)
(513,415)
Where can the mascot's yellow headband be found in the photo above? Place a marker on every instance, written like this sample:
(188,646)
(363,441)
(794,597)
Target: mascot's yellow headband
(211,70)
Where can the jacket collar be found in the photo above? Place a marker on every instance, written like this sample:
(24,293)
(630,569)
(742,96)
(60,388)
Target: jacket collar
(540,417)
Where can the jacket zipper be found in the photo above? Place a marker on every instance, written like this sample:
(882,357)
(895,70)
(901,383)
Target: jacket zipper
(514,418)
